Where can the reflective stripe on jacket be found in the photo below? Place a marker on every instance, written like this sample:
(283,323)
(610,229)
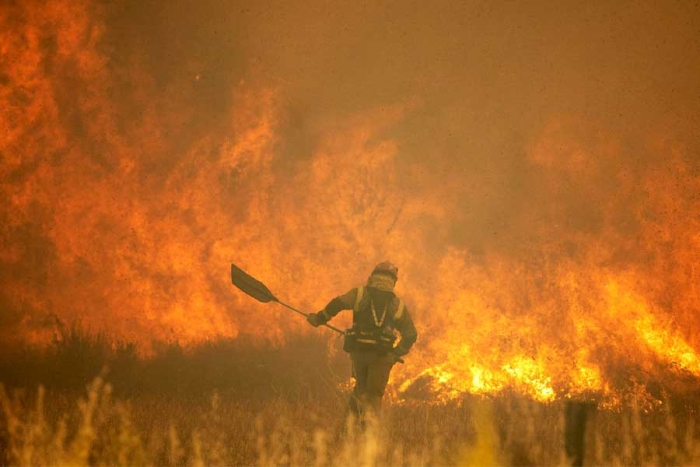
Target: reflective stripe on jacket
(360,299)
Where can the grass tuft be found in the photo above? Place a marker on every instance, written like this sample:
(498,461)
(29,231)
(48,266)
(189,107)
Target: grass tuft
(240,403)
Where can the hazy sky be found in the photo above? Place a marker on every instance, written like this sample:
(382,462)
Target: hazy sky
(483,79)
(496,70)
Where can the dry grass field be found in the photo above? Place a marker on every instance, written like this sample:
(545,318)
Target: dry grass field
(81,402)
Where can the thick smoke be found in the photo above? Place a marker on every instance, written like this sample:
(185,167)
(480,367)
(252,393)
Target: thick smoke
(532,167)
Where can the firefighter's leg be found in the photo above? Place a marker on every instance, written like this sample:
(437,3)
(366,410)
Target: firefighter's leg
(377,378)
(360,369)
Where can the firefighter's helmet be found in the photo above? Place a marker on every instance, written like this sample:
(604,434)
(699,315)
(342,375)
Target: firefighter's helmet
(388,268)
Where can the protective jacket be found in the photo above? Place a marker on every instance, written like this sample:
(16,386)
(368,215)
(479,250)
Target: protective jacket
(378,314)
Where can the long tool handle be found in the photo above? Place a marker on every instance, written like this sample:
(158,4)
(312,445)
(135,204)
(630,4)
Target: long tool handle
(260,292)
(306,314)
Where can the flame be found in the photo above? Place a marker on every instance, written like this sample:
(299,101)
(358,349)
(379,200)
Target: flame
(120,218)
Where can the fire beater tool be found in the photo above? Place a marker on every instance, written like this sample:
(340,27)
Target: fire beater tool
(261,293)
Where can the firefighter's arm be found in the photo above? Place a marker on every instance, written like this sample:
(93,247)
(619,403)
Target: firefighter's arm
(335,306)
(408,333)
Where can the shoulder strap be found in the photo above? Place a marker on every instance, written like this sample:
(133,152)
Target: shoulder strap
(360,293)
(399,311)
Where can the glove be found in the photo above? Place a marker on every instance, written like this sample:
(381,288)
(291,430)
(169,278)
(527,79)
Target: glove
(396,358)
(314,320)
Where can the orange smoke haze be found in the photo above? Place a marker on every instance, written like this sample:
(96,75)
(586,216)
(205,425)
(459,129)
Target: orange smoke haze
(533,170)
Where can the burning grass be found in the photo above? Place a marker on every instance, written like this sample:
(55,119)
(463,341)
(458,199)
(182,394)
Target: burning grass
(238,403)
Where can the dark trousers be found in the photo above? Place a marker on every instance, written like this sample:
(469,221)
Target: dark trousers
(371,371)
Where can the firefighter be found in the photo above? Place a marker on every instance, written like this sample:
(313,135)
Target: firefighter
(378,315)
